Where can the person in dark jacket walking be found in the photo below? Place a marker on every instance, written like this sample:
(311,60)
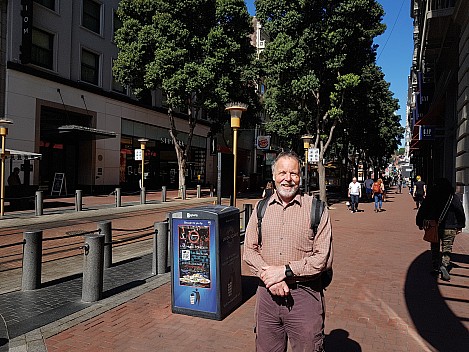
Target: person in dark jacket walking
(433,206)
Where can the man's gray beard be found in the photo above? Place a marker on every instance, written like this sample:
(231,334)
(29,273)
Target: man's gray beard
(287,194)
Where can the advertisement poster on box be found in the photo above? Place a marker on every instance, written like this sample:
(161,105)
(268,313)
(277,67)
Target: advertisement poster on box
(194,279)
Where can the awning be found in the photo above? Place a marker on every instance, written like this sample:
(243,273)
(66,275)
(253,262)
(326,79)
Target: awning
(21,155)
(85,133)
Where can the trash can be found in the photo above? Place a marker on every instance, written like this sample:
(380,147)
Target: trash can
(206,261)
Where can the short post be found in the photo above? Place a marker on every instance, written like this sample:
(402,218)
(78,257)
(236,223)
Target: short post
(93,271)
(163,194)
(78,200)
(118,198)
(104,228)
(183,192)
(160,248)
(199,191)
(247,214)
(143,195)
(38,204)
(32,260)
(212,191)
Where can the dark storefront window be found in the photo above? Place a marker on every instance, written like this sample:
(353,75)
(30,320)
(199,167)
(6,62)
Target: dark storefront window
(42,48)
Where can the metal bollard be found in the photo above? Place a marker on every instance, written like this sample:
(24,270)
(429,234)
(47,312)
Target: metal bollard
(93,271)
(212,191)
(32,260)
(78,200)
(118,198)
(183,196)
(106,230)
(199,191)
(160,248)
(247,214)
(39,205)
(143,195)
(163,193)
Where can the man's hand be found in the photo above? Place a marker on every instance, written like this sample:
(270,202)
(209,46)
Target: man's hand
(280,289)
(271,275)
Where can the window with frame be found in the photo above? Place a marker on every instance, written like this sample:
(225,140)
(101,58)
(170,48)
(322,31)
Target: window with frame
(42,48)
(117,23)
(50,4)
(89,67)
(92,16)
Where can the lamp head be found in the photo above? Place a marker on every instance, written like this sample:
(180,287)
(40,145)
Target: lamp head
(3,122)
(236,110)
(143,142)
(307,139)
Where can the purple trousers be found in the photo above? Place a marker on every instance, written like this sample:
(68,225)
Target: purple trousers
(298,318)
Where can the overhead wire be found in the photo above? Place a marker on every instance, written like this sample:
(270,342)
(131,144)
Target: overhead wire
(392,29)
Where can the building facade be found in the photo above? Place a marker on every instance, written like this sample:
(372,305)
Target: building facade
(439,93)
(65,104)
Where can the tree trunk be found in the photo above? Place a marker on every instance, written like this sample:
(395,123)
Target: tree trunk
(322,181)
(180,154)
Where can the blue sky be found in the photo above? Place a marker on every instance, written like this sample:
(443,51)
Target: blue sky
(395,47)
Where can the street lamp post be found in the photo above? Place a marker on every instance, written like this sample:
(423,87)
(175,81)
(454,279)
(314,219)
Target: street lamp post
(3,134)
(236,110)
(143,142)
(307,138)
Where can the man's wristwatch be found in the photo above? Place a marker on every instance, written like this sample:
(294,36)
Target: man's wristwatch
(288,271)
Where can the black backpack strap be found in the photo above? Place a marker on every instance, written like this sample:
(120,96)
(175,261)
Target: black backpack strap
(317,208)
(261,207)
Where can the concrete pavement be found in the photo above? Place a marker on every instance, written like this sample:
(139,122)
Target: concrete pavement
(382,298)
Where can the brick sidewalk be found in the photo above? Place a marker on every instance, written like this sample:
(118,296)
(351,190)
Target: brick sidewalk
(382,298)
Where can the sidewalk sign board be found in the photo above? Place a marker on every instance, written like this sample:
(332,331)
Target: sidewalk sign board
(59,184)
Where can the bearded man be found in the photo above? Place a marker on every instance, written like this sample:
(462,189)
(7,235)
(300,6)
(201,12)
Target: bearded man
(288,263)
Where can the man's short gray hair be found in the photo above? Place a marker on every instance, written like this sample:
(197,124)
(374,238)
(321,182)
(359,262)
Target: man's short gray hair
(288,154)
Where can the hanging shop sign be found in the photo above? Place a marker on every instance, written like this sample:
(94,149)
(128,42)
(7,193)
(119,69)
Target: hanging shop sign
(27,31)
(263,142)
(426,133)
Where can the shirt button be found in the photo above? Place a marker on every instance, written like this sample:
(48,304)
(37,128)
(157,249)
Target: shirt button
(280,253)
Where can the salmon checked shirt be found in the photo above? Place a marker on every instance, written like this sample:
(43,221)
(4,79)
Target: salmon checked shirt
(287,238)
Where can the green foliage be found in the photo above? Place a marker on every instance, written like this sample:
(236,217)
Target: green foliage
(372,124)
(196,51)
(314,61)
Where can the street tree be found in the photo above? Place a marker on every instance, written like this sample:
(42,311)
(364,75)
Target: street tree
(376,134)
(312,63)
(197,52)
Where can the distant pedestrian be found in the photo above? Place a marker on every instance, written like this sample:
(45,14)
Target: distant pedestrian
(368,190)
(442,204)
(14,178)
(378,190)
(399,184)
(268,190)
(355,193)
(419,192)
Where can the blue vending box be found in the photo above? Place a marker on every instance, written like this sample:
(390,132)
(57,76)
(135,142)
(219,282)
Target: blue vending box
(206,261)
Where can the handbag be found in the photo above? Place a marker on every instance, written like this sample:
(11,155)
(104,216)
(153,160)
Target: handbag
(431,231)
(431,226)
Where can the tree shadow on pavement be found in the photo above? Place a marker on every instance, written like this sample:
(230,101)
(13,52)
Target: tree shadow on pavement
(431,315)
(338,340)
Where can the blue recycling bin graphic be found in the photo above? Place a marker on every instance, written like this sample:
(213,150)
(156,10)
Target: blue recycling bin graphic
(206,261)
